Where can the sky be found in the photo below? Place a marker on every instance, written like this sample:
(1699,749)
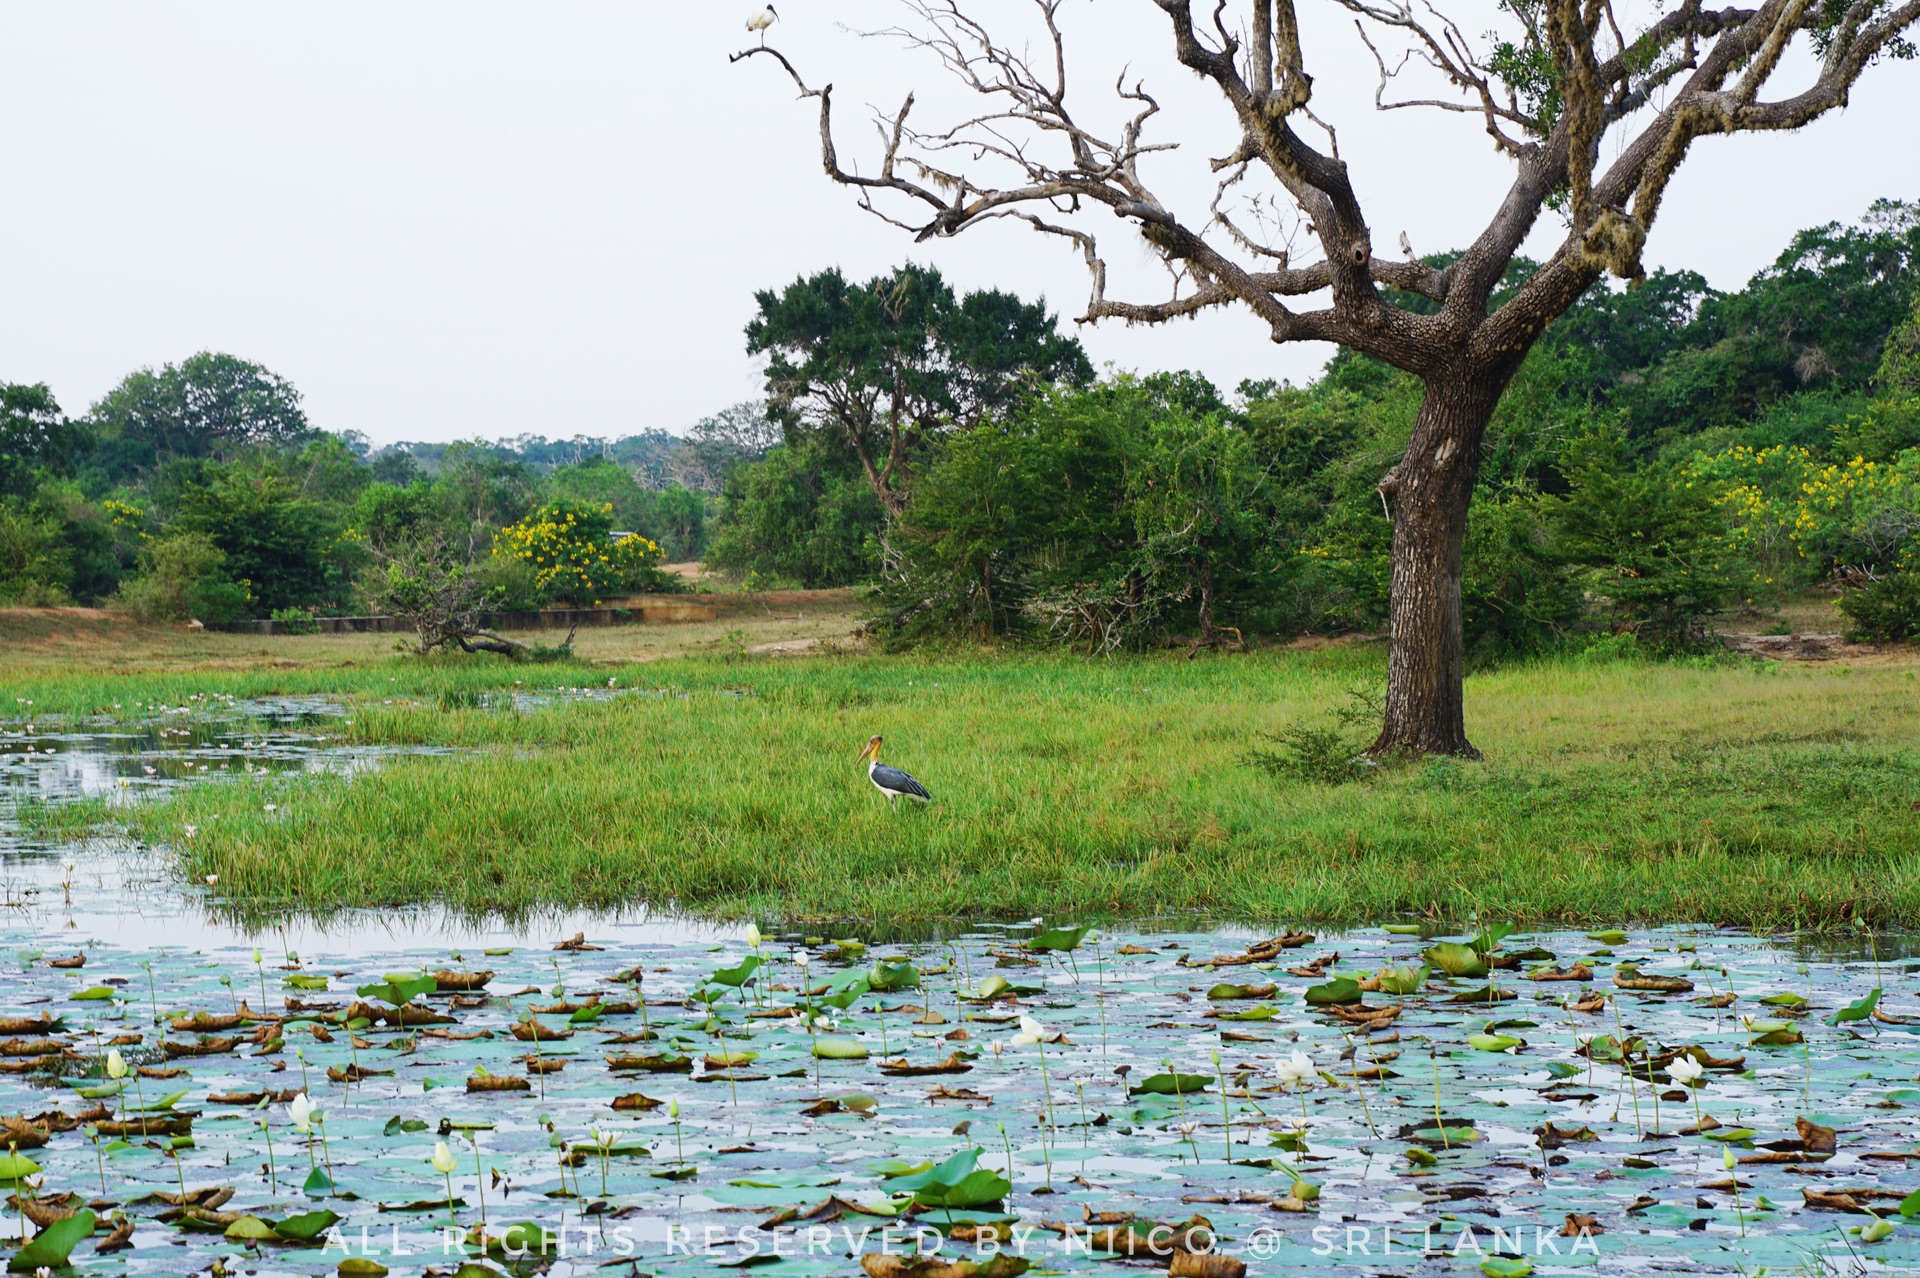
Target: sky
(455,218)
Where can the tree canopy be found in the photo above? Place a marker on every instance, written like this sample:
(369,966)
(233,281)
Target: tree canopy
(882,367)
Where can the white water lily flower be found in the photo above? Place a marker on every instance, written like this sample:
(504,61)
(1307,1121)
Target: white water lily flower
(443,1159)
(1296,1069)
(1685,1070)
(116,1067)
(600,1138)
(213,880)
(1031,1032)
(802,958)
(753,935)
(303,1112)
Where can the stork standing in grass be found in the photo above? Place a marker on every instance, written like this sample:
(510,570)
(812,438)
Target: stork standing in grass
(891,782)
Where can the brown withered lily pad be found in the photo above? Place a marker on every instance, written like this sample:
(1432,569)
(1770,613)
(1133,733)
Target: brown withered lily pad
(663,1063)
(45,1023)
(534,1031)
(635,1102)
(1653,984)
(19,1133)
(213,1046)
(205,1022)
(953,1064)
(67,964)
(1817,1139)
(497,1083)
(463,982)
(1578,972)
(877,1264)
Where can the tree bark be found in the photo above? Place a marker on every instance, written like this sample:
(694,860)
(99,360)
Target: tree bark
(1427,496)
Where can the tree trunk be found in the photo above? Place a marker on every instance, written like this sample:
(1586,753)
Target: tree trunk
(1428,494)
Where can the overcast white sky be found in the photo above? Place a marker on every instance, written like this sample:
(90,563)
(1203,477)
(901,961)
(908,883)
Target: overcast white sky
(449,218)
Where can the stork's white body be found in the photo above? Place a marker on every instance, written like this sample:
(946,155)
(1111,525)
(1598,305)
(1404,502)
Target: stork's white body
(760,21)
(874,774)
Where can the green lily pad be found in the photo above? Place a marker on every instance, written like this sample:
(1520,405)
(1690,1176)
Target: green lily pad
(1456,960)
(1059,939)
(54,1244)
(1170,1084)
(1341,989)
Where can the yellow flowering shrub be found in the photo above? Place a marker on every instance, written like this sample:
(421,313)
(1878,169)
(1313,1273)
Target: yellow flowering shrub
(1783,504)
(571,550)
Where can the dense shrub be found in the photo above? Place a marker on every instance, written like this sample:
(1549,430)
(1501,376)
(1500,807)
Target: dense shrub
(1885,611)
(574,556)
(799,516)
(185,576)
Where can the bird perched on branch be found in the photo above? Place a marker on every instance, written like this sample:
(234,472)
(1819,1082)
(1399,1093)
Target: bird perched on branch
(761,20)
(891,782)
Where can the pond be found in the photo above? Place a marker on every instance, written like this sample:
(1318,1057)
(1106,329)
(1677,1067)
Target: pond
(664,1096)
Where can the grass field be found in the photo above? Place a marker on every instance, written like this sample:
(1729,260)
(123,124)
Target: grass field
(1760,794)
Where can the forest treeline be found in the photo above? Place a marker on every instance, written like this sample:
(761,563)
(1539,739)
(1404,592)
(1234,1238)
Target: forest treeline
(1666,454)
(201,490)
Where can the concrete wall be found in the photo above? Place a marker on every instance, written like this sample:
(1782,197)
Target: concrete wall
(650,612)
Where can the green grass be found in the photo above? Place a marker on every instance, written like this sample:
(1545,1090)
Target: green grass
(1759,795)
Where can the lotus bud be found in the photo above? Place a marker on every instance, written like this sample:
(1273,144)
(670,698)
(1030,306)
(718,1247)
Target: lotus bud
(116,1067)
(443,1160)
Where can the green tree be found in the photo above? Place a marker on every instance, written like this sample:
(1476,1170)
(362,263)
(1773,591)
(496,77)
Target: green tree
(795,516)
(35,438)
(184,575)
(280,544)
(34,567)
(884,367)
(208,405)
(1653,545)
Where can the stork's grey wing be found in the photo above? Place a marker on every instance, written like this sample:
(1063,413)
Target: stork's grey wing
(896,780)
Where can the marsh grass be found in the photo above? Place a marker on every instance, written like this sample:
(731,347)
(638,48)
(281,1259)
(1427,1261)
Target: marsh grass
(1761,795)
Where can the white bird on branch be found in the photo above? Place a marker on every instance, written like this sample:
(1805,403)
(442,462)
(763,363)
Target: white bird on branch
(1406,246)
(759,22)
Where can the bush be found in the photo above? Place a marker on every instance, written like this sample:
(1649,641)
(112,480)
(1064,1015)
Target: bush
(34,566)
(184,575)
(298,621)
(1654,544)
(797,516)
(574,556)
(1887,611)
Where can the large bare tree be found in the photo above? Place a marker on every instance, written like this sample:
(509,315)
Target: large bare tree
(1565,80)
